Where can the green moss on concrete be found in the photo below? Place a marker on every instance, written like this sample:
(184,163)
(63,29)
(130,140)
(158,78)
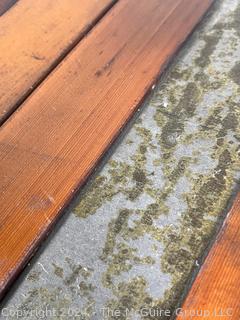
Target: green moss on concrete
(211,42)
(235,73)
(174,125)
(58,271)
(34,276)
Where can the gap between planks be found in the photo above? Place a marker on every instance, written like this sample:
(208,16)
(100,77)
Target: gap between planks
(52,143)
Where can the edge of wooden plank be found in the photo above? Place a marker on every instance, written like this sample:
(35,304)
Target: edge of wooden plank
(31,249)
(215,290)
(5,5)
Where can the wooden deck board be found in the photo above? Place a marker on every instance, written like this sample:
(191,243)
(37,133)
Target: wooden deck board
(34,35)
(51,144)
(216,290)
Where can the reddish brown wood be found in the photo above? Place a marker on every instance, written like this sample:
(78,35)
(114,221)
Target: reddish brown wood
(215,294)
(34,36)
(51,144)
(5,5)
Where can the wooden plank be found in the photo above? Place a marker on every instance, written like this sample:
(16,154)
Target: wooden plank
(5,5)
(51,144)
(34,36)
(215,294)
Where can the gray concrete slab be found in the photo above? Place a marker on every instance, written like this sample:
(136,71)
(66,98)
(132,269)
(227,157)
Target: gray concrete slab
(129,246)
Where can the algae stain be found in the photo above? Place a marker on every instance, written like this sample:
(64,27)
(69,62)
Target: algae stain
(59,299)
(211,42)
(174,125)
(212,39)
(34,276)
(131,295)
(104,188)
(235,23)
(98,192)
(139,173)
(235,73)
(58,271)
(114,229)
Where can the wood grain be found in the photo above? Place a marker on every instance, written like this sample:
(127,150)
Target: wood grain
(51,144)
(5,5)
(34,35)
(215,294)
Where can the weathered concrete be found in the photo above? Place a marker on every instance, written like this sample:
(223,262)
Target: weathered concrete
(140,226)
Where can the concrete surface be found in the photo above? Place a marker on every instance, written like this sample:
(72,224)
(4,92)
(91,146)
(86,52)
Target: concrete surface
(131,243)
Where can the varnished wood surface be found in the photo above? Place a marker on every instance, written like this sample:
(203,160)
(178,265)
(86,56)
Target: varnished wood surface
(5,5)
(215,293)
(34,35)
(53,141)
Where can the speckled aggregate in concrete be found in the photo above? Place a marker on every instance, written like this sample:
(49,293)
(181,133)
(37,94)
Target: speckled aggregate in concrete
(128,248)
